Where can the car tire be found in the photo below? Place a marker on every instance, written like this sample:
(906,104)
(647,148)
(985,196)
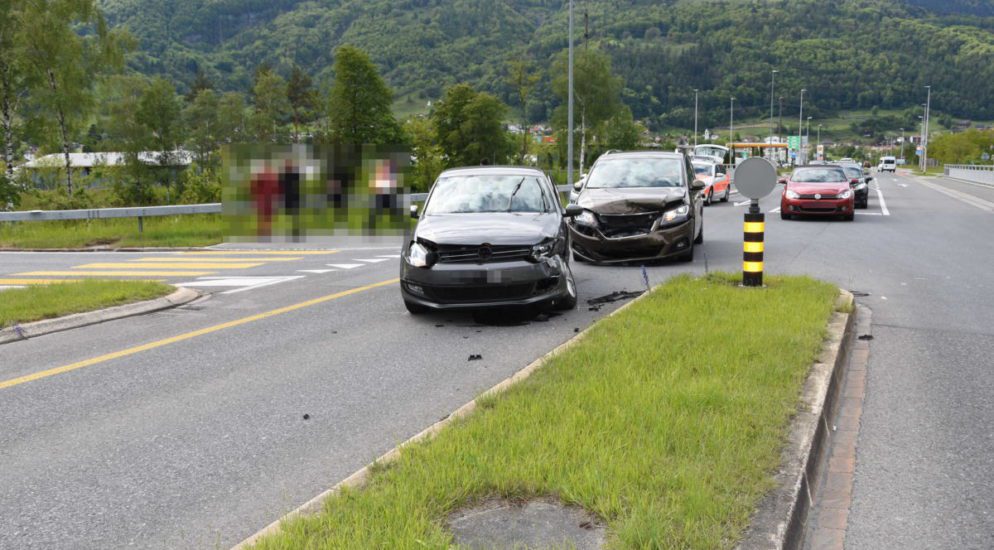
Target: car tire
(849,217)
(785,216)
(567,301)
(728,192)
(415,309)
(700,236)
(710,198)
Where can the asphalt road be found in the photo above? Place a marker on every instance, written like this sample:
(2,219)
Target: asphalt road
(198,438)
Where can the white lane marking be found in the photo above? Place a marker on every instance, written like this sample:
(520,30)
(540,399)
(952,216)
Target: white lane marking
(743,203)
(869,213)
(972,200)
(883,204)
(775,210)
(241,284)
(390,256)
(903,184)
(371,261)
(344,266)
(317,271)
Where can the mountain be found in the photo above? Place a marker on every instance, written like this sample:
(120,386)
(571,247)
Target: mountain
(848,54)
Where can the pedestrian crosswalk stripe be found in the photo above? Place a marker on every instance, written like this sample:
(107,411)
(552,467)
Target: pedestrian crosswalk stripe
(372,261)
(157,265)
(393,256)
(316,271)
(111,273)
(239,284)
(156,259)
(344,266)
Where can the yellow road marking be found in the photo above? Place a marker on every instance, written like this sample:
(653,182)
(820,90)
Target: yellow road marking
(752,267)
(752,247)
(36,281)
(261,252)
(215,260)
(162,265)
(754,227)
(188,335)
(135,273)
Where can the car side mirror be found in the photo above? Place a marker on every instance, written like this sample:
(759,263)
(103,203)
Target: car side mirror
(414,211)
(573,210)
(782,181)
(869,179)
(697,185)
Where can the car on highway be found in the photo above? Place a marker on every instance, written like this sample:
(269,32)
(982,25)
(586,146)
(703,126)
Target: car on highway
(717,182)
(860,183)
(638,206)
(887,164)
(489,236)
(817,191)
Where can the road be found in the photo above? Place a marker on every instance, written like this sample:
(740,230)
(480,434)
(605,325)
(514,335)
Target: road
(186,429)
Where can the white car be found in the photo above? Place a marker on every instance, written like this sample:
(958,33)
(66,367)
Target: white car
(887,164)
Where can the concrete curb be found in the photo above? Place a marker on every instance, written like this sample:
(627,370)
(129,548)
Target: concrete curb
(359,478)
(30,330)
(781,517)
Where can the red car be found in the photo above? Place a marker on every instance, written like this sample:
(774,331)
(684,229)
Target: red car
(817,191)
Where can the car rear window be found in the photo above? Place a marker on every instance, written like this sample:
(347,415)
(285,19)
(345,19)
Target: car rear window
(818,175)
(469,194)
(636,172)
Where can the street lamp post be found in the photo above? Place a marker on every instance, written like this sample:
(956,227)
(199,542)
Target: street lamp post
(819,136)
(928,115)
(800,127)
(773,81)
(731,120)
(569,124)
(807,137)
(695,117)
(902,143)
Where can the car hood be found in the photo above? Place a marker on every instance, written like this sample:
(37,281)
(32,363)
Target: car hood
(631,200)
(813,188)
(495,228)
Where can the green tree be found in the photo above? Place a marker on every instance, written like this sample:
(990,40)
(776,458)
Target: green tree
(427,154)
(272,108)
(303,100)
(522,78)
(200,83)
(201,119)
(133,183)
(12,85)
(159,114)
(470,128)
(360,103)
(63,65)
(231,118)
(597,92)
(621,131)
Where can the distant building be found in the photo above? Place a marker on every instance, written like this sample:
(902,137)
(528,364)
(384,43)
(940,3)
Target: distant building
(42,170)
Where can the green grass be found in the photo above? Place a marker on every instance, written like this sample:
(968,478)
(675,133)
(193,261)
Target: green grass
(23,305)
(667,421)
(170,231)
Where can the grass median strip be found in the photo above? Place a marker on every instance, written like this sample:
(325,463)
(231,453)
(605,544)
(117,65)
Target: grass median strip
(168,231)
(666,420)
(23,305)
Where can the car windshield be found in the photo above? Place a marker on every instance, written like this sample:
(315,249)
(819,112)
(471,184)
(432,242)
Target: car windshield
(636,172)
(703,169)
(853,172)
(471,194)
(818,175)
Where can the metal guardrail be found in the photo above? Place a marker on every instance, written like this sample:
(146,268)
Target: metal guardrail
(970,172)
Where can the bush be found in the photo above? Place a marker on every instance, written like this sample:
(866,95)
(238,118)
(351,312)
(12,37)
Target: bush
(200,187)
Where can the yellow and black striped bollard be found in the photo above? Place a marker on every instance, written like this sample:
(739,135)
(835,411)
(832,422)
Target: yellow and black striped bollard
(752,247)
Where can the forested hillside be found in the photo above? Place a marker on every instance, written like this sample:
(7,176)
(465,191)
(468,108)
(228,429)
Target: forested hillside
(849,54)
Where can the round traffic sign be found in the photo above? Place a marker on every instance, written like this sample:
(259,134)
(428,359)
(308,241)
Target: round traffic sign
(755,177)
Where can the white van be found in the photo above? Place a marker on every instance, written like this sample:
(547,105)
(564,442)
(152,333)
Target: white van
(887,164)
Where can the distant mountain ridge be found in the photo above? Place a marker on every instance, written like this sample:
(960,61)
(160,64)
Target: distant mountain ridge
(847,53)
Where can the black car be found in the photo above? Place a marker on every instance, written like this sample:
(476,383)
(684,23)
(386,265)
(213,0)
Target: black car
(489,236)
(638,206)
(860,183)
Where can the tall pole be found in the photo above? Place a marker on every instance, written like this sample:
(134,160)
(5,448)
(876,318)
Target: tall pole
(800,128)
(928,114)
(731,120)
(921,139)
(695,118)
(773,82)
(902,143)
(569,124)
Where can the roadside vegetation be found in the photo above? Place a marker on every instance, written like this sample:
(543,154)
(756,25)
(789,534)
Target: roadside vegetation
(170,231)
(666,421)
(34,303)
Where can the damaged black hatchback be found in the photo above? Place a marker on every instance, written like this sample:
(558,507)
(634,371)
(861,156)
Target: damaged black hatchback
(638,206)
(489,236)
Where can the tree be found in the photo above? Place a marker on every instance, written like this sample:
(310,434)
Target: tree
(12,86)
(62,65)
(621,131)
(159,115)
(303,99)
(231,118)
(427,154)
(271,107)
(201,119)
(124,97)
(360,103)
(470,128)
(523,79)
(200,83)
(596,90)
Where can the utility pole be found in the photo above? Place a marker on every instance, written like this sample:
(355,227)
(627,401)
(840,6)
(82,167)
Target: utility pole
(695,118)
(569,123)
(819,139)
(902,143)
(808,136)
(773,82)
(928,114)
(800,128)
(731,121)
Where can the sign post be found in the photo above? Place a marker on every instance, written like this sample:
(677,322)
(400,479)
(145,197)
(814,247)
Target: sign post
(755,178)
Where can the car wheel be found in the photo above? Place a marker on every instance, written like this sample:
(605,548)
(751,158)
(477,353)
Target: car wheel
(568,300)
(784,215)
(415,309)
(728,192)
(710,198)
(849,217)
(700,236)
